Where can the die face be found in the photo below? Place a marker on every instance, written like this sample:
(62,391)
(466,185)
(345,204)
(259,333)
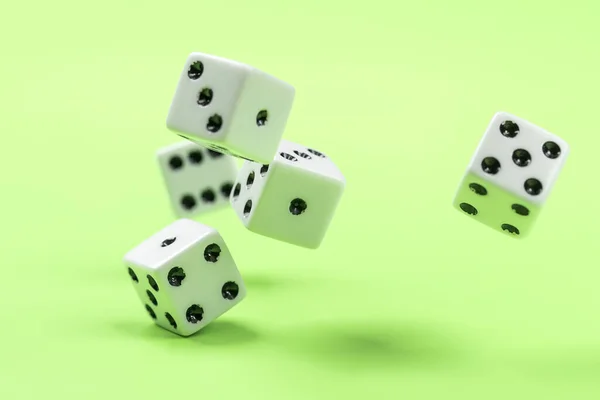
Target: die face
(202,284)
(206,97)
(495,207)
(261,116)
(247,190)
(294,201)
(230,107)
(166,244)
(197,179)
(307,159)
(193,286)
(519,157)
(155,302)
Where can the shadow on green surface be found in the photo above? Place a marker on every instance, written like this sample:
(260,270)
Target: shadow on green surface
(374,346)
(218,333)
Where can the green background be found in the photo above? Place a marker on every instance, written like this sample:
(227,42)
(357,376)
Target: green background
(406,298)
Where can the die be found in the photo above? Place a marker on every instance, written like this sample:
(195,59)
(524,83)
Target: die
(511,175)
(293,198)
(197,179)
(230,107)
(185,276)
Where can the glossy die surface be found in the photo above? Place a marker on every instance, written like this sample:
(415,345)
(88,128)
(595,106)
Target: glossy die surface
(197,179)
(293,199)
(511,174)
(230,107)
(185,276)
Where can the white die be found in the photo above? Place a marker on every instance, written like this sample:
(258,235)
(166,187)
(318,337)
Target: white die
(197,179)
(230,107)
(293,199)
(185,276)
(519,157)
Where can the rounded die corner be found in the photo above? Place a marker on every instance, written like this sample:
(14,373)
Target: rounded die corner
(502,113)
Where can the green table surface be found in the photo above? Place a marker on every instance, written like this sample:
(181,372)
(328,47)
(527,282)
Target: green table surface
(406,298)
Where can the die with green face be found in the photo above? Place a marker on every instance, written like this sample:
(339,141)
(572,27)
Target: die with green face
(511,175)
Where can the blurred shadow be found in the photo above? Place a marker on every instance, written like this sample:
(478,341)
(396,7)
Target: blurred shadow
(374,346)
(217,333)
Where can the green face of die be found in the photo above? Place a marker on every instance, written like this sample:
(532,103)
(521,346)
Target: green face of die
(495,207)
